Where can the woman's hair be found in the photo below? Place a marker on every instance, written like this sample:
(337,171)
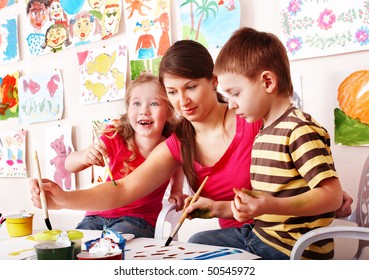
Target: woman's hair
(188,59)
(123,126)
(249,52)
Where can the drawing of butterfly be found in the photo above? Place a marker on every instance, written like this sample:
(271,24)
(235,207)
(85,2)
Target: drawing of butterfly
(31,85)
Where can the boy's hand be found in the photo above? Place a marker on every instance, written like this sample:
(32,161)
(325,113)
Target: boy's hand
(249,204)
(345,209)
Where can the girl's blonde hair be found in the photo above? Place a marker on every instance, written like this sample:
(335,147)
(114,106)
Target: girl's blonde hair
(123,126)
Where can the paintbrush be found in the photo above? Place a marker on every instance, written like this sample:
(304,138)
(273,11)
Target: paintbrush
(184,215)
(42,194)
(106,159)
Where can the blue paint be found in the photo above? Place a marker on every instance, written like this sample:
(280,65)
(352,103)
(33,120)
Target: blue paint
(216,254)
(72,7)
(12,47)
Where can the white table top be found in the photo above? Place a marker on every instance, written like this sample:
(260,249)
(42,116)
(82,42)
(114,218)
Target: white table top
(136,249)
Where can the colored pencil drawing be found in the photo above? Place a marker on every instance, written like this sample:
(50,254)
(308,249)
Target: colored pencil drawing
(41,97)
(58,147)
(209,22)
(8,41)
(320,28)
(351,118)
(149,27)
(103,74)
(9,96)
(55,25)
(12,153)
(6,3)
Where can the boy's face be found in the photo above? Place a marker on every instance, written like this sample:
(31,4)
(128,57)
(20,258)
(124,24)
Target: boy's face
(248,98)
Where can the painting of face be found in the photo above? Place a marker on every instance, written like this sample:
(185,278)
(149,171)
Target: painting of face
(56,11)
(38,15)
(95,4)
(56,36)
(82,28)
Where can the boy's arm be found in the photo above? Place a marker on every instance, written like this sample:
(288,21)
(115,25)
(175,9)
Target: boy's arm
(325,197)
(80,160)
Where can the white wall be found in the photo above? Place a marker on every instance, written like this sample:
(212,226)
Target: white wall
(320,79)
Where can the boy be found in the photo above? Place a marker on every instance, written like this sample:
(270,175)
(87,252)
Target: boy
(295,184)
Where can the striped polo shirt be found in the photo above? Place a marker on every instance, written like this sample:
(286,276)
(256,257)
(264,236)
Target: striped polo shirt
(290,157)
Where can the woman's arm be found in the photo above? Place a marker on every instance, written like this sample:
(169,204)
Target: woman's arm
(155,170)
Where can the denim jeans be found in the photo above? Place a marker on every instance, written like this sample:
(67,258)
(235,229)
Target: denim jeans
(133,225)
(242,238)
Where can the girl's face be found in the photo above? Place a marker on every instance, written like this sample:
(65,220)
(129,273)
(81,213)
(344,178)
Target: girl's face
(56,37)
(56,12)
(248,98)
(191,98)
(82,28)
(147,112)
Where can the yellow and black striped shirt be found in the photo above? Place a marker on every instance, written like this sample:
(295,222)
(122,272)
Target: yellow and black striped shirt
(290,157)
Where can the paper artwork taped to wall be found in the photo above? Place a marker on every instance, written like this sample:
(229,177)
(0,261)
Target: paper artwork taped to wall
(9,96)
(9,51)
(297,91)
(58,145)
(6,3)
(351,119)
(321,28)
(55,25)
(148,27)
(210,23)
(12,153)
(41,97)
(103,74)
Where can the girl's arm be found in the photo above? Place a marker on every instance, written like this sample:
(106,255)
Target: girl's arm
(156,169)
(80,160)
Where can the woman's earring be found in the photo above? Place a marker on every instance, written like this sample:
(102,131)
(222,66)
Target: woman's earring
(178,115)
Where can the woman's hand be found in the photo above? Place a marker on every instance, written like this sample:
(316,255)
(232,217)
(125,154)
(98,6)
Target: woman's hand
(55,196)
(202,208)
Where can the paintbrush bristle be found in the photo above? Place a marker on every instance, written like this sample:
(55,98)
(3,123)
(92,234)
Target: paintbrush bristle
(48,224)
(169,241)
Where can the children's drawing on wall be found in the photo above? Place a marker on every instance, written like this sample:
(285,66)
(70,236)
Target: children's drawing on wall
(320,28)
(54,25)
(58,145)
(352,117)
(9,96)
(103,74)
(209,22)
(8,41)
(149,27)
(6,3)
(12,153)
(41,97)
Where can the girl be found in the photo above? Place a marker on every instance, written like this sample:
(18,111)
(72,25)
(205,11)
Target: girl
(128,142)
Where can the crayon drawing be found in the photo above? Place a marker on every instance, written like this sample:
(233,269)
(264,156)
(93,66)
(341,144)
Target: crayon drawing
(58,145)
(351,118)
(103,74)
(9,96)
(6,3)
(148,24)
(54,25)
(8,41)
(209,22)
(12,153)
(40,97)
(321,28)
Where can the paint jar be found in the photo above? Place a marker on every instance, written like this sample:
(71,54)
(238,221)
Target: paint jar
(54,251)
(19,225)
(52,235)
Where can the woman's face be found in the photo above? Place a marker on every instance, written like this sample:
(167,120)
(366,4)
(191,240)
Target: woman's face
(191,98)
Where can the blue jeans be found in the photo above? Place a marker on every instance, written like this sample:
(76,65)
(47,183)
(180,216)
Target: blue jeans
(242,238)
(133,225)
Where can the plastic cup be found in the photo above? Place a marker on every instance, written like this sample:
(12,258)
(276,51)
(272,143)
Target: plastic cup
(17,225)
(54,251)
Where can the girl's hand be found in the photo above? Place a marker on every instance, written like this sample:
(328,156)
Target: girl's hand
(178,198)
(55,196)
(94,155)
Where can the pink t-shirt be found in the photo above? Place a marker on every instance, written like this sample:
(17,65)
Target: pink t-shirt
(231,171)
(148,207)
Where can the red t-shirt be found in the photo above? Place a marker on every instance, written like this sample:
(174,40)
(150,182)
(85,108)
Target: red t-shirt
(148,207)
(231,171)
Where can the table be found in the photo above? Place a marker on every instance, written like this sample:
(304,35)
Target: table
(18,248)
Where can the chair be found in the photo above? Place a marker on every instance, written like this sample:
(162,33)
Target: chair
(168,214)
(360,216)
